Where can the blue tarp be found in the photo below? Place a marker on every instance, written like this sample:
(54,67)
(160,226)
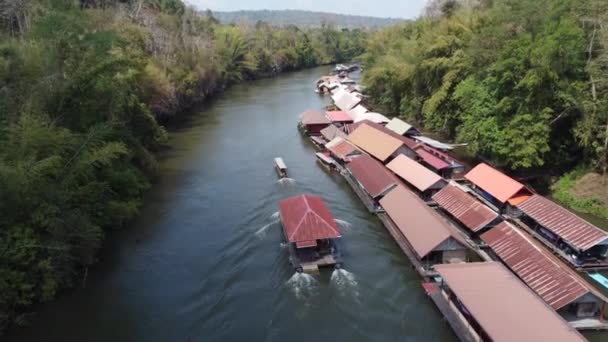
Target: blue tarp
(600,279)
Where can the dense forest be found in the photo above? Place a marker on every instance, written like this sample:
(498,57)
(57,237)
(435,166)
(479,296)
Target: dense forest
(305,18)
(523,82)
(84,88)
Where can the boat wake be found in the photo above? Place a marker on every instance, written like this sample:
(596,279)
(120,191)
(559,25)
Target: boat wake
(345,282)
(343,224)
(304,286)
(275,215)
(262,231)
(286,181)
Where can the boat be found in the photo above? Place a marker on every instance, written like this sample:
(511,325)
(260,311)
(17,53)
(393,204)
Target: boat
(281,168)
(310,232)
(325,160)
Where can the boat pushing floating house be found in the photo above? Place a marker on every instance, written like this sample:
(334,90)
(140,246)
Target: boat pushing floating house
(280,166)
(311,233)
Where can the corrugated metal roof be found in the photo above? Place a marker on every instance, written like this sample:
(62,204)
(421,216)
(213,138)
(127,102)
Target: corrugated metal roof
(437,144)
(542,273)
(374,141)
(494,182)
(331,131)
(571,228)
(420,225)
(357,112)
(313,117)
(399,126)
(434,161)
(503,306)
(345,101)
(372,175)
(466,209)
(373,117)
(413,173)
(339,116)
(306,218)
(342,149)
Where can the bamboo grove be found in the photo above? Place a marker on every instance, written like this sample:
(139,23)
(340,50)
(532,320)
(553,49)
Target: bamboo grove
(84,88)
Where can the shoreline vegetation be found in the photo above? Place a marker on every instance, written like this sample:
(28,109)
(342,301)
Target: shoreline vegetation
(84,89)
(527,92)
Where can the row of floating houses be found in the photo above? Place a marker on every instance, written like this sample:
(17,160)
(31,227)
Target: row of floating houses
(492,253)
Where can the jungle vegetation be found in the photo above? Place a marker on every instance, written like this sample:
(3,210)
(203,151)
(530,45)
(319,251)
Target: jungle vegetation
(84,89)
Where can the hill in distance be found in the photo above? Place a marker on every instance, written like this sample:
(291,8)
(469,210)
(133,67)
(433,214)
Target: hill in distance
(304,18)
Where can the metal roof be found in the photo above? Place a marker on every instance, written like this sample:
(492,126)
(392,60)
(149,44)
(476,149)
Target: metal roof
(373,176)
(373,117)
(313,117)
(437,144)
(344,100)
(342,149)
(413,173)
(306,218)
(374,141)
(434,161)
(571,228)
(280,163)
(399,126)
(466,209)
(357,112)
(503,306)
(331,131)
(541,271)
(420,225)
(338,116)
(494,182)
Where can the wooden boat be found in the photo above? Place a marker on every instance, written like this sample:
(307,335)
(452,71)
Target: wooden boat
(310,232)
(326,161)
(281,168)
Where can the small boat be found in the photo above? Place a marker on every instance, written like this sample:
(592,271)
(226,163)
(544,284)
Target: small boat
(325,160)
(310,232)
(281,168)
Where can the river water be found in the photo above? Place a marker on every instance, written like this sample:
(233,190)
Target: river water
(205,263)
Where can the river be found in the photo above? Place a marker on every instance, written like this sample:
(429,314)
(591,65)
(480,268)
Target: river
(204,262)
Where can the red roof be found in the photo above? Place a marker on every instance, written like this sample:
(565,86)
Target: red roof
(342,149)
(313,117)
(339,116)
(305,218)
(466,209)
(434,161)
(571,228)
(541,271)
(373,176)
(494,182)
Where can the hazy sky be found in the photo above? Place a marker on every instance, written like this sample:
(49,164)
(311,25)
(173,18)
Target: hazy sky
(376,8)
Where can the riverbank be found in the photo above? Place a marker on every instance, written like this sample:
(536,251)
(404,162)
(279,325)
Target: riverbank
(585,192)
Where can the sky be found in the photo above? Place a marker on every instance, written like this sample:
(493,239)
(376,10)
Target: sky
(376,8)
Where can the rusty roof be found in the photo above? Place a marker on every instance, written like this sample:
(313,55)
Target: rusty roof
(342,149)
(420,225)
(542,272)
(503,306)
(413,173)
(574,230)
(313,117)
(494,182)
(373,176)
(464,207)
(306,218)
(331,131)
(375,142)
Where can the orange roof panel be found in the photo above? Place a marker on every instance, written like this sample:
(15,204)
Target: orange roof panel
(494,182)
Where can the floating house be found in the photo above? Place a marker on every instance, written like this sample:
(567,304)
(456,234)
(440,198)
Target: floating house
(484,301)
(425,237)
(574,239)
(311,231)
(373,177)
(358,112)
(373,117)
(559,286)
(344,100)
(495,187)
(466,209)
(342,150)
(339,118)
(402,128)
(437,144)
(379,144)
(312,122)
(440,162)
(332,131)
(422,180)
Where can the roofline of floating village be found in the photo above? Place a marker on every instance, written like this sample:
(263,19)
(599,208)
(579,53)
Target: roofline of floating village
(454,226)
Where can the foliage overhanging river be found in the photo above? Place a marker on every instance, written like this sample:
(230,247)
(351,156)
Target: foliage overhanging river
(204,262)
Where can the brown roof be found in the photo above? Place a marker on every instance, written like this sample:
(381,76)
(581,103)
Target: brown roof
(373,176)
(494,182)
(413,173)
(571,228)
(306,218)
(313,117)
(540,270)
(420,225)
(342,148)
(374,142)
(503,306)
(331,131)
(464,207)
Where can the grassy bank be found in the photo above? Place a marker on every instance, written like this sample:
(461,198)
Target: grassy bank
(583,191)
